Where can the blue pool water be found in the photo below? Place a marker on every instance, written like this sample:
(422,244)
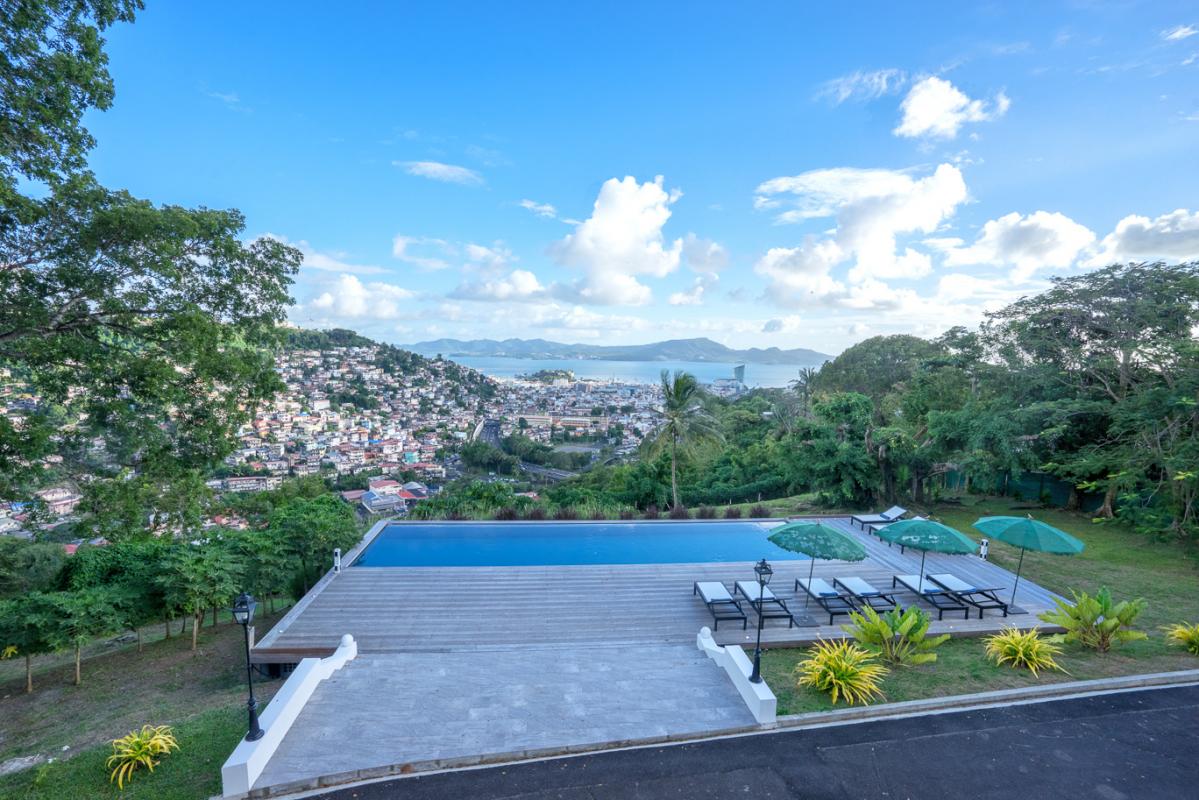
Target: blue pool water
(512,544)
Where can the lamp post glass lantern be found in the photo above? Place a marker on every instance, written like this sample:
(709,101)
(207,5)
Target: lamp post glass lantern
(243,614)
(764,573)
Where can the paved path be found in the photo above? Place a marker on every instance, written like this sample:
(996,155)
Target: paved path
(1114,747)
(387,709)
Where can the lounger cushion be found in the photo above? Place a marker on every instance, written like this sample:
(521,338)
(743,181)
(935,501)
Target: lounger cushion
(713,592)
(953,583)
(927,587)
(750,590)
(859,587)
(818,587)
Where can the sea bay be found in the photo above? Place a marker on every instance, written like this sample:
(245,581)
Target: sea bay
(756,375)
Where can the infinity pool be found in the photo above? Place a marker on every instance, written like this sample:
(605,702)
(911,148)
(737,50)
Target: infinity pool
(516,544)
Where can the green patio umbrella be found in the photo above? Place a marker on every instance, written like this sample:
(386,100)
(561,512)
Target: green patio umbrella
(1028,534)
(925,535)
(817,540)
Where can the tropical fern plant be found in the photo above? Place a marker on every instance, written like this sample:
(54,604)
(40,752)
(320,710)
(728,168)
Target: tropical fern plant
(898,637)
(844,669)
(1184,635)
(1026,649)
(139,749)
(1096,622)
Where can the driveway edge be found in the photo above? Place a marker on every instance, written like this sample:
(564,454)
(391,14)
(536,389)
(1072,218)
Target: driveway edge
(810,720)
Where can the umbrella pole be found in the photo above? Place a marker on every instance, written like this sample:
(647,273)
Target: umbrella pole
(920,583)
(1017,583)
(807,596)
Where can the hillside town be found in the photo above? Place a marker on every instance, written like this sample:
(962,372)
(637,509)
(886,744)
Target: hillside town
(388,415)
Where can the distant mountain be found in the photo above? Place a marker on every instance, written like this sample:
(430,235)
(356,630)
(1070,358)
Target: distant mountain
(673,350)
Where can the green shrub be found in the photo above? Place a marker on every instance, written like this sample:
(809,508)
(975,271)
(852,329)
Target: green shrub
(898,636)
(1184,635)
(1096,622)
(1023,649)
(844,670)
(139,749)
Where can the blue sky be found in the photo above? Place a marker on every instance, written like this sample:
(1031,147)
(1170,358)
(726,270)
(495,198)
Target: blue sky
(775,174)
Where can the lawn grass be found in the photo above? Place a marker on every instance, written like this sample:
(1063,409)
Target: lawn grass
(1131,565)
(191,773)
(201,693)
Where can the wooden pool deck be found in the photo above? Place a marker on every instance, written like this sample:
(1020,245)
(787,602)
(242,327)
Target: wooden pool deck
(429,609)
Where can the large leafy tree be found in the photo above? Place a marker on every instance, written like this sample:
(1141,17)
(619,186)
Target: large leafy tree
(686,422)
(142,328)
(1110,357)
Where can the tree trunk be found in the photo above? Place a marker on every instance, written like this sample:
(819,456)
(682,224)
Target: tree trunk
(138,631)
(28,674)
(1074,501)
(196,628)
(674,475)
(78,675)
(166,623)
(1108,509)
(183,624)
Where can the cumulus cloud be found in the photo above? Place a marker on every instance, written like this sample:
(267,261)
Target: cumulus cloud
(693,296)
(540,209)
(351,298)
(621,241)
(401,249)
(787,324)
(703,255)
(1029,243)
(863,85)
(872,208)
(935,108)
(326,261)
(1179,32)
(1173,236)
(494,257)
(518,285)
(437,171)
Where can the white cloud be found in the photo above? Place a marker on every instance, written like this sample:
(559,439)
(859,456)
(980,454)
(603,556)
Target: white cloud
(1029,243)
(326,262)
(620,241)
(518,285)
(437,171)
(350,298)
(693,296)
(495,257)
(936,108)
(787,324)
(1179,32)
(863,85)
(401,249)
(823,192)
(703,255)
(1174,235)
(540,209)
(872,208)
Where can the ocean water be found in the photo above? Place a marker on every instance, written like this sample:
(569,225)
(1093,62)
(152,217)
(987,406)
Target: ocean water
(762,375)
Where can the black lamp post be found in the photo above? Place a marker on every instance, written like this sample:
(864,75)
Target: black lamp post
(764,573)
(243,614)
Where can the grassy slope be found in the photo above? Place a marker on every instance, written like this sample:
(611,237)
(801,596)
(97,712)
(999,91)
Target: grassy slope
(202,694)
(1129,564)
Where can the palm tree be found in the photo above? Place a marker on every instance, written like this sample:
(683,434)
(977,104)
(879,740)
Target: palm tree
(803,386)
(687,422)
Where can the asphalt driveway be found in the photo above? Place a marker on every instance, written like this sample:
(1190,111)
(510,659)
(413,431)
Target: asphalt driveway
(1133,745)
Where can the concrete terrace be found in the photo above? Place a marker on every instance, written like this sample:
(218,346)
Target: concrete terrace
(415,609)
(468,665)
